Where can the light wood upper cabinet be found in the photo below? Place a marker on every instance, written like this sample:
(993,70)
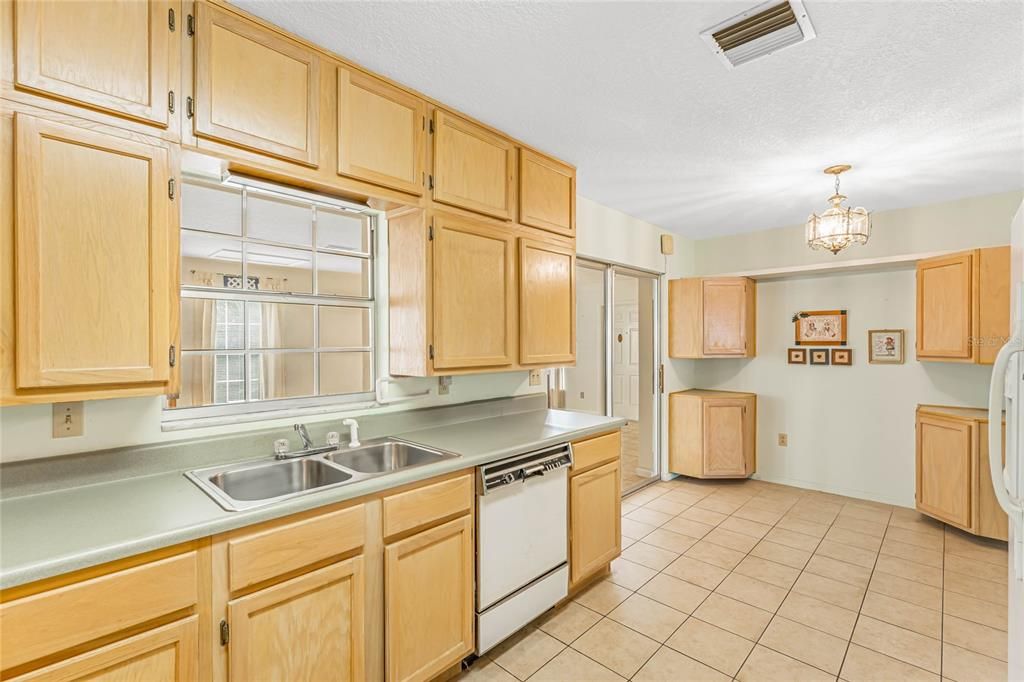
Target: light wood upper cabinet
(429,607)
(547,193)
(474,312)
(712,434)
(953,482)
(255,88)
(381,132)
(547,303)
(712,317)
(473,167)
(104,319)
(595,504)
(111,55)
(963,305)
(306,628)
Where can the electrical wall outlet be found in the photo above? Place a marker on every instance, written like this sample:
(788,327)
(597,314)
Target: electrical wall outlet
(783,440)
(444,385)
(68,419)
(535,377)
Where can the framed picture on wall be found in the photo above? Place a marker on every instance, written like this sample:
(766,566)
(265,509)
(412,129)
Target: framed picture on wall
(797,356)
(819,356)
(842,356)
(885,346)
(820,328)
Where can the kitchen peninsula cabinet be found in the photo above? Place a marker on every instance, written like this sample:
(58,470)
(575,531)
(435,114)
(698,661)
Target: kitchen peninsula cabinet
(712,317)
(595,506)
(712,434)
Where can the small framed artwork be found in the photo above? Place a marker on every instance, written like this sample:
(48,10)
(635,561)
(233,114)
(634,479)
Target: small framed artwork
(885,346)
(797,356)
(820,328)
(842,356)
(819,356)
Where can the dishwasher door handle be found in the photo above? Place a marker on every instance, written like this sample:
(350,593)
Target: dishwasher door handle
(530,472)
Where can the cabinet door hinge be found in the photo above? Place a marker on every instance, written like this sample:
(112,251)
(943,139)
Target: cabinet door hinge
(170,20)
(430,233)
(170,101)
(661,379)
(190,25)
(430,126)
(225,633)
(431,351)
(190,107)
(170,188)
(430,181)
(172,355)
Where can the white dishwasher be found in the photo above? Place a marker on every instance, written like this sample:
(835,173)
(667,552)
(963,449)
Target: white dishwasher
(522,541)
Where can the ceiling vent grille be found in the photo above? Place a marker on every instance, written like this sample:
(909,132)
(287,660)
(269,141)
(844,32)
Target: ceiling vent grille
(759,32)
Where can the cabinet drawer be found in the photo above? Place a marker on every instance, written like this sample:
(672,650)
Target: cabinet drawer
(263,555)
(58,619)
(593,451)
(426,505)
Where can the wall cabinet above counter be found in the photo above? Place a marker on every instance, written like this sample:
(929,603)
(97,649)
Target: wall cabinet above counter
(712,317)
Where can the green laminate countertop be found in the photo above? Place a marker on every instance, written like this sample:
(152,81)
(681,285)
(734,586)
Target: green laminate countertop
(51,533)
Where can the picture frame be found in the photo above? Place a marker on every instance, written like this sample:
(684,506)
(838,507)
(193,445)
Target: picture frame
(842,357)
(886,346)
(797,356)
(820,328)
(819,356)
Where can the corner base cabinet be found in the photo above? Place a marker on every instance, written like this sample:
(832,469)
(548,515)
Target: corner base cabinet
(712,434)
(595,506)
(952,470)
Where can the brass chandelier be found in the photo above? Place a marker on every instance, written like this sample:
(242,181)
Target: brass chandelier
(838,226)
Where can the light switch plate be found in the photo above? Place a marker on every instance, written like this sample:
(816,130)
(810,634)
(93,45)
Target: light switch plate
(68,419)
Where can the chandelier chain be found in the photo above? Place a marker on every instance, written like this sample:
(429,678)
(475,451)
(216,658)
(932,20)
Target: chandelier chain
(837,183)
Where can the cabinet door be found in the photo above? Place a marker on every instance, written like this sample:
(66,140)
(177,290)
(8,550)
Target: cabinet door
(595,504)
(944,469)
(94,222)
(473,167)
(473,294)
(255,88)
(165,654)
(547,303)
(547,193)
(113,55)
(944,324)
(428,586)
(307,628)
(725,316)
(381,135)
(725,446)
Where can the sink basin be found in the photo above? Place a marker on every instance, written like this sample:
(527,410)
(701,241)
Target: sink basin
(277,479)
(385,457)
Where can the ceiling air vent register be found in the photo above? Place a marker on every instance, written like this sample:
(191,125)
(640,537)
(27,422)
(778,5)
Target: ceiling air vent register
(759,32)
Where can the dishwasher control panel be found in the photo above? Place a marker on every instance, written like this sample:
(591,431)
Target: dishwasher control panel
(522,467)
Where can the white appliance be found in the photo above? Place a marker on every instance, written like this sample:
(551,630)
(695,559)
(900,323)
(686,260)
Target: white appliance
(1006,392)
(522,541)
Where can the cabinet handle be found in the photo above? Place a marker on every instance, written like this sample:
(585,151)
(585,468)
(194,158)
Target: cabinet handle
(170,189)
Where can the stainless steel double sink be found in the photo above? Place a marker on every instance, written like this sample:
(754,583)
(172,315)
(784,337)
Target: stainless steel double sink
(245,485)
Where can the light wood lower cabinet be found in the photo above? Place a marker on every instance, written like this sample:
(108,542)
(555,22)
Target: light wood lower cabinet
(712,434)
(595,506)
(953,480)
(711,317)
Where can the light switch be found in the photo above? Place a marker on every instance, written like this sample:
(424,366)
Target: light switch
(68,419)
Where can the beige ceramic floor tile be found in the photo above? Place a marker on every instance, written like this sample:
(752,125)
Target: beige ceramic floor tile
(781,554)
(666,506)
(865,558)
(616,647)
(683,497)
(667,539)
(804,643)
(751,512)
(907,590)
(709,552)
(839,570)
(648,617)
(803,526)
(752,591)
(963,665)
(745,526)
(572,666)
(713,646)
(978,549)
(627,542)
(649,516)
(767,571)
(974,636)
(603,596)
(568,622)
(731,539)
(916,538)
(650,556)
(865,665)
(735,616)
(910,570)
(719,504)
(820,615)
(689,527)
(909,647)
(667,665)
(525,652)
(873,528)
(697,572)
(986,590)
(904,614)
(854,538)
(928,557)
(765,665)
(978,569)
(671,591)
(975,610)
(705,516)
(486,670)
(636,530)
(829,590)
(630,574)
(791,538)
